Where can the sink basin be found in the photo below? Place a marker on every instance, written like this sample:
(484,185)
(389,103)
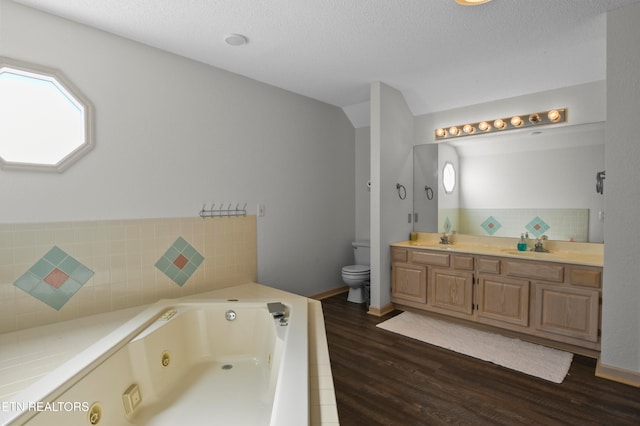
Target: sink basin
(526,253)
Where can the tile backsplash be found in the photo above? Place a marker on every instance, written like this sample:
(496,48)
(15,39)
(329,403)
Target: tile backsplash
(52,272)
(557,224)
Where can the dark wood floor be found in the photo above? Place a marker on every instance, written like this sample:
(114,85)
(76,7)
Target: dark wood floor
(382,378)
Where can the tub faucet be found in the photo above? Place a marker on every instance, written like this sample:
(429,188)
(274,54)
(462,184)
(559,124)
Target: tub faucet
(278,311)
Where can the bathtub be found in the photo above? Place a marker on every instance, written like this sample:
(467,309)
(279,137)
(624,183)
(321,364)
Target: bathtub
(191,362)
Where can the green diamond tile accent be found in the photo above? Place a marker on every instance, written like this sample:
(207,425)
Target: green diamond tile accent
(447,225)
(179,248)
(42,268)
(491,225)
(55,256)
(537,227)
(33,280)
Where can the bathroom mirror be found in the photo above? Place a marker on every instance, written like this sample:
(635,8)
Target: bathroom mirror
(541,182)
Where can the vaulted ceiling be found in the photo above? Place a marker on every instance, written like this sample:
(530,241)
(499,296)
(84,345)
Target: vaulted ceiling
(439,54)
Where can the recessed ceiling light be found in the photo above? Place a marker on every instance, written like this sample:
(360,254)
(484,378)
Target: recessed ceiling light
(471,2)
(235,39)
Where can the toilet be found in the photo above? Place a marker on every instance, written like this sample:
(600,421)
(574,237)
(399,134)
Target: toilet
(355,275)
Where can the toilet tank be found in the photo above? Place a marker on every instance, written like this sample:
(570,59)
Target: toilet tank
(362,252)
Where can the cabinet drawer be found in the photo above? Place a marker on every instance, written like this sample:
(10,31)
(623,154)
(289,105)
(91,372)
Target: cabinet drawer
(463,262)
(488,266)
(398,255)
(586,277)
(429,258)
(534,270)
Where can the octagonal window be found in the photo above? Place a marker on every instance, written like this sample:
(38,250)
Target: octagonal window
(45,122)
(448,177)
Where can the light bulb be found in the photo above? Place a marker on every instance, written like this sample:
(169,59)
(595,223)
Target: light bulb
(499,124)
(517,121)
(441,132)
(468,128)
(484,126)
(534,118)
(453,130)
(554,115)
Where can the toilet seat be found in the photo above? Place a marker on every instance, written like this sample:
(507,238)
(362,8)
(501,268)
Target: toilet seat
(356,270)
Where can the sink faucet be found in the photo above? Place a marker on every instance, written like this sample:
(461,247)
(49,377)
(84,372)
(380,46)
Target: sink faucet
(444,239)
(538,246)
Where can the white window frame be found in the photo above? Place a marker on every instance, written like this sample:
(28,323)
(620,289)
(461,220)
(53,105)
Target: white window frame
(59,80)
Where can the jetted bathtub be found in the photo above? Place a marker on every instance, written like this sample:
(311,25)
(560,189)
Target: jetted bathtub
(193,362)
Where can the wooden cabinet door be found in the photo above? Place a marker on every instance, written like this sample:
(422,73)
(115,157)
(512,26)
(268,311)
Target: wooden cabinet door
(451,290)
(409,282)
(567,311)
(503,299)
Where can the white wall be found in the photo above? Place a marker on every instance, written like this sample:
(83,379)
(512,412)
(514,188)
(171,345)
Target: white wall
(621,289)
(391,163)
(172,134)
(586,104)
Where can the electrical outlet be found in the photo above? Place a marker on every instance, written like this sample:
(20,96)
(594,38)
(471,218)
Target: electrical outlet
(261,210)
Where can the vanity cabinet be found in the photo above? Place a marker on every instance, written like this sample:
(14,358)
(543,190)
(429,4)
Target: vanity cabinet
(503,301)
(567,311)
(549,300)
(410,282)
(451,289)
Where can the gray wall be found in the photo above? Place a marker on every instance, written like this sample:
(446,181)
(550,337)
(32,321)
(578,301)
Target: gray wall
(172,134)
(391,163)
(363,174)
(621,288)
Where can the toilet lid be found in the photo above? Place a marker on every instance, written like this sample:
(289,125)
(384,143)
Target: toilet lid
(357,269)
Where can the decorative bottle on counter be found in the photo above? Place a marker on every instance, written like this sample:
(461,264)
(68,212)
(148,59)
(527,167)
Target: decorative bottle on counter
(522,244)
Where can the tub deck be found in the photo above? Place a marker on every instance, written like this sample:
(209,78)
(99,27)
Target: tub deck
(49,346)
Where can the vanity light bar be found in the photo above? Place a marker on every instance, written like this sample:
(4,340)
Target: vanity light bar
(553,116)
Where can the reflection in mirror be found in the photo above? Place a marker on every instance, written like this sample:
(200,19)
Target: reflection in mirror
(448,177)
(45,123)
(425,187)
(535,182)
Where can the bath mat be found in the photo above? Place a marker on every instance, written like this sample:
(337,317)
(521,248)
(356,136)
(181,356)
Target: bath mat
(529,358)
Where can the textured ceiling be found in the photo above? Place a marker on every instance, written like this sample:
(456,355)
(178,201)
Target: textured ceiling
(439,54)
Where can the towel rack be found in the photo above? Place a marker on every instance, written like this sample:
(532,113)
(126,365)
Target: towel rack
(402,191)
(222,211)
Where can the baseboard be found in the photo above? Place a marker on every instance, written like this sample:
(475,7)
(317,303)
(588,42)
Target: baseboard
(381,310)
(329,293)
(609,372)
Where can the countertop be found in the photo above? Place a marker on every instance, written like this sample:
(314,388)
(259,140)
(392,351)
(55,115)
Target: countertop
(587,254)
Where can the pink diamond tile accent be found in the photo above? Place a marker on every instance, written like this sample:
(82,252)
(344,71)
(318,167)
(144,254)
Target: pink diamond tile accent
(56,278)
(180,261)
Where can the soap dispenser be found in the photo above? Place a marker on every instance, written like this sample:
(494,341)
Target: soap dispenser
(522,244)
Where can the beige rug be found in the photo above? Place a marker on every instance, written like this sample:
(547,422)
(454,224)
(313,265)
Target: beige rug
(535,360)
